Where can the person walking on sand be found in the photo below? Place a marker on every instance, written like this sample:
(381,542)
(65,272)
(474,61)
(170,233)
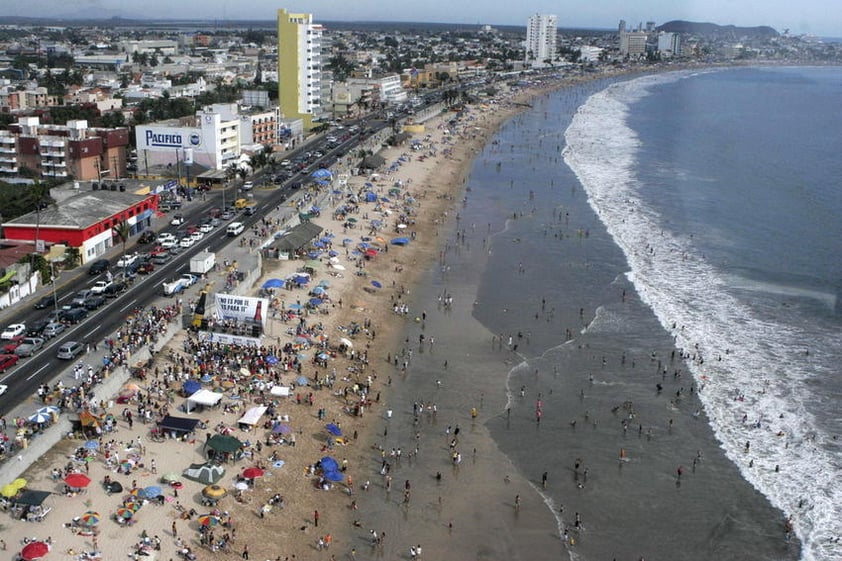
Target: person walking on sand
(544,480)
(517,503)
(316,518)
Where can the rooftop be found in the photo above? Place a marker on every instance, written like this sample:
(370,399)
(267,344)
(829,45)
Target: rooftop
(80,211)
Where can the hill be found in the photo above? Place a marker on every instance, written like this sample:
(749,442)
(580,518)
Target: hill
(732,31)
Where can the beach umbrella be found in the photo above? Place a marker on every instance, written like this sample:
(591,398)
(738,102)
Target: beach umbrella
(294,307)
(339,267)
(19,483)
(9,491)
(77,480)
(191,386)
(114,487)
(91,445)
(253,472)
(206,379)
(208,520)
(133,506)
(281,428)
(214,492)
(346,241)
(274,283)
(271,360)
(34,550)
(153,491)
(127,465)
(170,476)
(376,284)
(90,518)
(346,342)
(48,410)
(39,418)
(319,290)
(333,476)
(401,226)
(400,241)
(124,513)
(323,356)
(324,283)
(302,381)
(132,387)
(316,302)
(333,429)
(329,463)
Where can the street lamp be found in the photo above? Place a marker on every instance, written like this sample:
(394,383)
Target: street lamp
(53,279)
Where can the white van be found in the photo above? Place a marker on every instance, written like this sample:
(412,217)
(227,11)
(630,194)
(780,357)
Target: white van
(235,229)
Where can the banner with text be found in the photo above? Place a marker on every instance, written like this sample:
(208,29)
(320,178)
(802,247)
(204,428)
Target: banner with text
(241,308)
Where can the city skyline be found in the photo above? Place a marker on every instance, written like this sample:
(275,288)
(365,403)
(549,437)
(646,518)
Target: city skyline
(816,17)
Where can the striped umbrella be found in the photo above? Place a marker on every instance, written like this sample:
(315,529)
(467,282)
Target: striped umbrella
(133,506)
(90,518)
(124,513)
(208,520)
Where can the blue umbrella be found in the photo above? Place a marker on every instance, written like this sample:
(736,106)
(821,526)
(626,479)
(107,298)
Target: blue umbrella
(302,381)
(334,476)
(294,307)
(376,284)
(191,386)
(206,379)
(153,491)
(329,464)
(346,241)
(271,360)
(316,301)
(318,290)
(333,429)
(333,253)
(319,244)
(273,283)
(322,356)
(324,283)
(91,445)
(400,241)
(280,428)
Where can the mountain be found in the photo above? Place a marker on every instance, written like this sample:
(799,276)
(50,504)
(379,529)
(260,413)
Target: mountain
(732,31)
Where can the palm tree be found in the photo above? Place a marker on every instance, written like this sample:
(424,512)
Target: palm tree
(122,230)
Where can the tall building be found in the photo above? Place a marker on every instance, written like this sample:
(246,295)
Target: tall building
(299,66)
(632,43)
(669,44)
(541,33)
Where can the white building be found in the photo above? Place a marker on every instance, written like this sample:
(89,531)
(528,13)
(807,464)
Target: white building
(669,44)
(589,53)
(541,33)
(206,139)
(632,43)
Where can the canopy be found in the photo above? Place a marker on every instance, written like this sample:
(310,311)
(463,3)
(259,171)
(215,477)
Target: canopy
(279,391)
(252,416)
(214,492)
(333,475)
(178,424)
(223,443)
(373,162)
(252,472)
(34,550)
(203,397)
(77,480)
(273,283)
(329,464)
(204,473)
(297,237)
(31,497)
(191,386)
(400,241)
(333,429)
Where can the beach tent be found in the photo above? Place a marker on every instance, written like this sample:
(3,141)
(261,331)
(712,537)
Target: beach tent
(190,387)
(273,283)
(205,398)
(252,416)
(223,443)
(279,391)
(178,424)
(204,473)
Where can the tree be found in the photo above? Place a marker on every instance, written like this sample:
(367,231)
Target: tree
(122,230)
(72,257)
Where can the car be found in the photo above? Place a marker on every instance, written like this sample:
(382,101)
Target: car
(189,279)
(95,302)
(177,220)
(127,260)
(56,315)
(161,258)
(70,350)
(191,228)
(164,236)
(12,344)
(75,315)
(227,214)
(7,361)
(145,268)
(13,330)
(205,227)
(169,244)
(81,297)
(147,237)
(215,212)
(45,302)
(197,235)
(100,286)
(186,242)
(98,267)
(52,329)
(3,389)
(29,346)
(115,289)
(247,186)
(37,327)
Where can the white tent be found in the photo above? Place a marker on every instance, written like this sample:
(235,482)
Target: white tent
(279,391)
(252,416)
(203,397)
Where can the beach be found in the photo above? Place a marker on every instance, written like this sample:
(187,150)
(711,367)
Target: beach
(161,528)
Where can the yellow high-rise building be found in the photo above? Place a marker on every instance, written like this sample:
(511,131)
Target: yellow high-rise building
(299,66)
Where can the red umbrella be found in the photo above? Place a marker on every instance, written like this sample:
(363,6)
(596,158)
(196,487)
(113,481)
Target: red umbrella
(251,473)
(77,480)
(35,550)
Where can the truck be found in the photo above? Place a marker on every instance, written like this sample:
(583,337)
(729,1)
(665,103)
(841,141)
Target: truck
(174,287)
(202,263)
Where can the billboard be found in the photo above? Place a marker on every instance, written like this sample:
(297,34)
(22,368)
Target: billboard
(241,308)
(167,138)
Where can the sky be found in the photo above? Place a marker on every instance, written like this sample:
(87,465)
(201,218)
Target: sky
(817,17)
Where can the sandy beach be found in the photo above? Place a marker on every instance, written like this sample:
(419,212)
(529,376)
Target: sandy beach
(433,177)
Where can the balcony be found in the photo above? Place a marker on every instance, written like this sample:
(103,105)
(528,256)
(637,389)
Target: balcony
(53,173)
(51,164)
(7,149)
(11,170)
(7,159)
(51,143)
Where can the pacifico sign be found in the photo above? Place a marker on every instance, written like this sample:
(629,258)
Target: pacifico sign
(168,138)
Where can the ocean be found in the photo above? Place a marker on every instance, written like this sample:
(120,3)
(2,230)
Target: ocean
(644,275)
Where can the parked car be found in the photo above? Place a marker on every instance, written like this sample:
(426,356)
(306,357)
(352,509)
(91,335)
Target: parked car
(70,350)
(3,389)
(12,344)
(29,346)
(115,289)
(13,330)
(100,286)
(177,220)
(127,260)
(75,315)
(197,235)
(95,302)
(189,279)
(56,315)
(205,227)
(247,186)
(81,297)
(7,361)
(52,329)
(37,327)
(98,267)
(227,215)
(145,268)
(186,242)
(45,302)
